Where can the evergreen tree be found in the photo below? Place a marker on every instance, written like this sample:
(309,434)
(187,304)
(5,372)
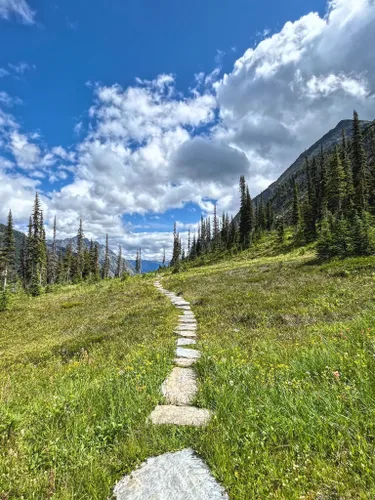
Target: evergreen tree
(23,262)
(336,183)
(280,229)
(363,239)
(120,264)
(296,210)
(325,240)
(246,214)
(106,264)
(163,261)
(348,200)
(269,216)
(8,253)
(68,262)
(79,257)
(176,254)
(359,165)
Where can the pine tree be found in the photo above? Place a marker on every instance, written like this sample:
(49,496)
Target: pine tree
(280,229)
(176,254)
(309,206)
(23,262)
(348,201)
(106,264)
(245,214)
(216,228)
(359,165)
(336,183)
(296,210)
(8,253)
(325,240)
(79,257)
(363,239)
(68,262)
(163,261)
(269,216)
(120,263)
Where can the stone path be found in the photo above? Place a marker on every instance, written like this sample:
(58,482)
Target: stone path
(181,475)
(180,388)
(172,476)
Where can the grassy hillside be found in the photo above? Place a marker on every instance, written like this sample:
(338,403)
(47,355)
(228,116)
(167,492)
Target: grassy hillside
(80,371)
(288,367)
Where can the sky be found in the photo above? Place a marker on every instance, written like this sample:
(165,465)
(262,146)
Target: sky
(136,114)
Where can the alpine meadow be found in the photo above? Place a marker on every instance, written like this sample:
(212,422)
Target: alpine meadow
(187,250)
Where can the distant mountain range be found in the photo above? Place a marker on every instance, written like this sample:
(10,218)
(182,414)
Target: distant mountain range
(148,266)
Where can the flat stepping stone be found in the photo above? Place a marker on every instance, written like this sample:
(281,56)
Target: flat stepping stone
(180,387)
(173,476)
(184,308)
(182,352)
(185,333)
(180,415)
(185,341)
(184,362)
(186,327)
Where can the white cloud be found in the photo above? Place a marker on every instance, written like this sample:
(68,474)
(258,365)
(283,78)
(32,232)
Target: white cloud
(18,8)
(148,148)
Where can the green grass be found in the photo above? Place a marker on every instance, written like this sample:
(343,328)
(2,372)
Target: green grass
(288,367)
(80,371)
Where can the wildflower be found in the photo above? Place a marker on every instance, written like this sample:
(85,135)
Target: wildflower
(336,374)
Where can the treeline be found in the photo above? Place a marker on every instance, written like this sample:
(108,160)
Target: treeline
(40,266)
(336,208)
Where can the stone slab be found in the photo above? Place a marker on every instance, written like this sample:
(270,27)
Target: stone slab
(184,362)
(172,476)
(192,328)
(184,308)
(182,352)
(180,415)
(185,333)
(180,387)
(185,341)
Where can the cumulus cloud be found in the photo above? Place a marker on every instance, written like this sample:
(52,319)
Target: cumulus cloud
(18,8)
(201,159)
(298,83)
(148,148)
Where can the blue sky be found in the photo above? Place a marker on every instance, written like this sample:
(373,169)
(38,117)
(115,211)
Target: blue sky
(135,114)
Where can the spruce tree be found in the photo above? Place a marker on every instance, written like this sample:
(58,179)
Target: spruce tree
(8,253)
(280,229)
(269,216)
(296,209)
(106,264)
(359,165)
(246,214)
(120,263)
(348,201)
(336,183)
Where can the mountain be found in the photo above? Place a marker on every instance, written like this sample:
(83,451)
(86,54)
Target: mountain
(280,193)
(148,266)
(62,245)
(327,142)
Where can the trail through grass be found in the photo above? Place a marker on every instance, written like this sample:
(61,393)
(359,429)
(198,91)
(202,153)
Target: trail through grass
(288,352)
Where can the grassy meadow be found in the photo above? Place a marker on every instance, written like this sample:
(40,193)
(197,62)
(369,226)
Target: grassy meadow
(288,353)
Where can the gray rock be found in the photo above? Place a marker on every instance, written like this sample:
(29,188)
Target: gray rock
(182,342)
(184,362)
(173,476)
(181,352)
(180,415)
(180,387)
(185,333)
